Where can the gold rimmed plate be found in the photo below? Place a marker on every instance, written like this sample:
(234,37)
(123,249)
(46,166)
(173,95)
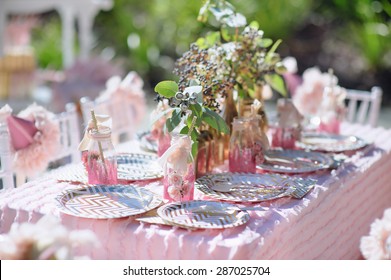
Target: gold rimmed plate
(295,161)
(106,202)
(334,143)
(203,214)
(242,187)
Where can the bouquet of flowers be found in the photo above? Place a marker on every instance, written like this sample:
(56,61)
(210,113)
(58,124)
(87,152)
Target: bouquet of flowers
(237,57)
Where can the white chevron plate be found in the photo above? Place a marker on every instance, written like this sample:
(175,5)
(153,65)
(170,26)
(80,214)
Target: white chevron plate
(104,202)
(203,214)
(242,187)
(295,161)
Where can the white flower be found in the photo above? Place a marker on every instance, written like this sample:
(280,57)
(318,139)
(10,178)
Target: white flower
(47,239)
(377,246)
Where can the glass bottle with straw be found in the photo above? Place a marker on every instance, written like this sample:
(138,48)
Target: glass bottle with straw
(101,156)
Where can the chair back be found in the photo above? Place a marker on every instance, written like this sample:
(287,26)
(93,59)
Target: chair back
(6,172)
(68,122)
(119,109)
(364,106)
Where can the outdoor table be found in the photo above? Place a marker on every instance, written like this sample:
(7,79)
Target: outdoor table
(326,224)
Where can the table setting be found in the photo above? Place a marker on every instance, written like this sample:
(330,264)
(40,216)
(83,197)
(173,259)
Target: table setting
(215,176)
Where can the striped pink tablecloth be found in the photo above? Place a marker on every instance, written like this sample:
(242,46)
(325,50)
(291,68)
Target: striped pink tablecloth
(327,224)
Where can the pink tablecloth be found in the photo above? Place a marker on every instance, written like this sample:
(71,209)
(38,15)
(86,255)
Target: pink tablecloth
(327,224)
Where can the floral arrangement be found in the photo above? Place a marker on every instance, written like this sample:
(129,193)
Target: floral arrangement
(188,112)
(237,57)
(308,96)
(377,245)
(45,240)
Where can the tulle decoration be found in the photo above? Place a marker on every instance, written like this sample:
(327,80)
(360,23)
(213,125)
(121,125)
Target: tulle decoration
(46,142)
(130,87)
(377,245)
(309,94)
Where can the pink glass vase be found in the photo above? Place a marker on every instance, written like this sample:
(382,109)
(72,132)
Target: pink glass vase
(283,137)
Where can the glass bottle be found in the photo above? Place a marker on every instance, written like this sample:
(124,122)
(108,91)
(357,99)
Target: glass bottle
(285,130)
(179,170)
(241,150)
(261,142)
(100,158)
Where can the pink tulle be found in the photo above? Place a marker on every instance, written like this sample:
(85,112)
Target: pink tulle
(130,87)
(36,157)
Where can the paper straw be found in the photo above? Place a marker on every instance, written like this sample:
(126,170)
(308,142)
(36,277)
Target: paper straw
(95,122)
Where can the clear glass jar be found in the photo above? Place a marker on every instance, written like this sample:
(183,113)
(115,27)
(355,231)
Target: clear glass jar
(100,158)
(179,170)
(242,155)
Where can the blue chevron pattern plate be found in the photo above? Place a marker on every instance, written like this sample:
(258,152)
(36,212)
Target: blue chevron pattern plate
(105,202)
(242,187)
(203,214)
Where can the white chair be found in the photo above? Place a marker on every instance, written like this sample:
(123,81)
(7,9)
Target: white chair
(119,109)
(364,106)
(69,124)
(6,172)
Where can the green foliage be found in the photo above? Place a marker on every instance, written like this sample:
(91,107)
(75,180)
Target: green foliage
(189,112)
(167,27)
(46,41)
(365,25)
(167,89)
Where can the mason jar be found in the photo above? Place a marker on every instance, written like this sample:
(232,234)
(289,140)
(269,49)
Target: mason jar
(101,160)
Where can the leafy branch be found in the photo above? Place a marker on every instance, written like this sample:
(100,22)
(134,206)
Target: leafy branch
(187,105)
